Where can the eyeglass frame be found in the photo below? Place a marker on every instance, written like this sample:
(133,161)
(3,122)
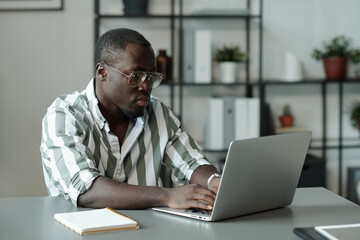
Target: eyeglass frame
(148,74)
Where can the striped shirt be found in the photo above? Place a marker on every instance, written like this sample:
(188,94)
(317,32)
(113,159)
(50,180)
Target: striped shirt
(77,146)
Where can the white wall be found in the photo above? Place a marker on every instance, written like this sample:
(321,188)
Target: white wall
(42,54)
(47,53)
(300,26)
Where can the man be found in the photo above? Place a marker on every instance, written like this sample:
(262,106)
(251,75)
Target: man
(105,146)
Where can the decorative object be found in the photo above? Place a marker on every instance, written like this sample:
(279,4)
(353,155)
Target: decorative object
(228,58)
(293,68)
(355,115)
(31,5)
(287,118)
(135,7)
(163,65)
(335,57)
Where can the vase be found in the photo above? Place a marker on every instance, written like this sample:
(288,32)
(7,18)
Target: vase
(335,67)
(135,7)
(163,65)
(228,72)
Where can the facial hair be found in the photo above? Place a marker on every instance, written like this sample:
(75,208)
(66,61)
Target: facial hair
(132,115)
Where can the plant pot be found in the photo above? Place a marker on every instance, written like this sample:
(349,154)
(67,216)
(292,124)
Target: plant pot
(335,67)
(228,71)
(135,7)
(286,121)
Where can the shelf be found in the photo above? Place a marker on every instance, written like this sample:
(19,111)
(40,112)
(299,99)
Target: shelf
(310,147)
(190,16)
(266,83)
(232,16)
(310,81)
(166,16)
(334,143)
(208,84)
(212,84)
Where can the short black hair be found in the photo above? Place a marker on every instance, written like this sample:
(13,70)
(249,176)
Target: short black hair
(113,41)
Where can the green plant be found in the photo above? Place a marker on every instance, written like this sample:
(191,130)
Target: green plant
(355,114)
(287,110)
(339,46)
(230,53)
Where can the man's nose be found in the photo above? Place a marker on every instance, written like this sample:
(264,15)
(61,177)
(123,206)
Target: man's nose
(146,85)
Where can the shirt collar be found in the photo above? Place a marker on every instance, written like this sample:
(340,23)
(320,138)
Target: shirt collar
(93,103)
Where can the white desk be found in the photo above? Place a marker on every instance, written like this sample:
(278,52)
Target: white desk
(32,218)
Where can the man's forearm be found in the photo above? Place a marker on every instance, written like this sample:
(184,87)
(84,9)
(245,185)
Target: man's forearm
(202,174)
(106,192)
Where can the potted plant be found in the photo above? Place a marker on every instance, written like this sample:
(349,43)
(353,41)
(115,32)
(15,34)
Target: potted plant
(355,115)
(335,56)
(228,58)
(286,119)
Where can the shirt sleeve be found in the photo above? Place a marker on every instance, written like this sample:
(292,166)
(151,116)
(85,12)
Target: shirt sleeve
(68,165)
(182,154)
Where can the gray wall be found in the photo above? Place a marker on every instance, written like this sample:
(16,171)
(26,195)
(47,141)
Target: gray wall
(42,55)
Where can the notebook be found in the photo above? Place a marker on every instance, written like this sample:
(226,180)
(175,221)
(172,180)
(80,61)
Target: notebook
(259,174)
(94,221)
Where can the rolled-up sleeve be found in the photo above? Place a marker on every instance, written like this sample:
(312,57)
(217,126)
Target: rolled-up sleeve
(68,165)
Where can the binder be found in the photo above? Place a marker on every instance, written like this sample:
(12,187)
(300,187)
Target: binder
(202,56)
(229,120)
(241,118)
(253,123)
(188,56)
(214,138)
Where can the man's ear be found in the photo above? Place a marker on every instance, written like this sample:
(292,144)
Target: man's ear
(100,72)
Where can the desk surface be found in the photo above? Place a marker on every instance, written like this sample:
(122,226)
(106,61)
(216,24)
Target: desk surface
(32,218)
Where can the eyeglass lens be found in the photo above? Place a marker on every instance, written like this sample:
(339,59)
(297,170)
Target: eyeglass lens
(137,78)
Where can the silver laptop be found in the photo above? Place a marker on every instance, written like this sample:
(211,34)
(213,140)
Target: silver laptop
(259,174)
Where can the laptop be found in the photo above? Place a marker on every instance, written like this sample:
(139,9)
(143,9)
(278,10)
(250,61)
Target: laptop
(259,174)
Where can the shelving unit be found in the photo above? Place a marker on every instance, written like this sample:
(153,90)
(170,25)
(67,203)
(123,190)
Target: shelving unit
(175,19)
(340,146)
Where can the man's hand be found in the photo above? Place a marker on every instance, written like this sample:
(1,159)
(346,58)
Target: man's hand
(190,196)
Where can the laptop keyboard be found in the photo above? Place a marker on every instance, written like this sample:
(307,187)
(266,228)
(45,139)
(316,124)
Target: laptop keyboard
(199,210)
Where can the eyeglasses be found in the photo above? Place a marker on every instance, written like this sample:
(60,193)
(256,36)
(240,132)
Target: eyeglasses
(135,79)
